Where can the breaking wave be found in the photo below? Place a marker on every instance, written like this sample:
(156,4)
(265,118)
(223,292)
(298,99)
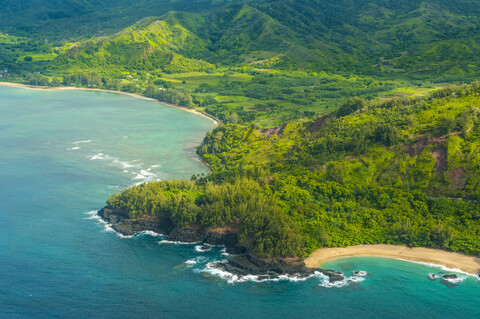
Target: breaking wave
(213,270)
(165,241)
(82,142)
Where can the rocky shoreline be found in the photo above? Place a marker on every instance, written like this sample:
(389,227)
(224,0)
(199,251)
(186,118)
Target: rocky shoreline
(241,264)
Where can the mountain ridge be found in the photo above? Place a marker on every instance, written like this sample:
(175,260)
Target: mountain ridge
(416,40)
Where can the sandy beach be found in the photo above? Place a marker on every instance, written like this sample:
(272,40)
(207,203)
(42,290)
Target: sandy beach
(33,87)
(439,257)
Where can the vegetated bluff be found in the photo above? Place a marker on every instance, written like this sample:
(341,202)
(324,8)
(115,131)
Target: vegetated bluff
(376,172)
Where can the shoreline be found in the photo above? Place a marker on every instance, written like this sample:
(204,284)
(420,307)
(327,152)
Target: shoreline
(241,263)
(138,96)
(433,257)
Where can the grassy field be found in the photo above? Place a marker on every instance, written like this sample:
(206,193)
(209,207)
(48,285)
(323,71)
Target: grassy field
(270,97)
(410,91)
(38,57)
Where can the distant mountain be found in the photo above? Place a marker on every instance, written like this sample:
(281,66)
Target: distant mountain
(63,19)
(418,38)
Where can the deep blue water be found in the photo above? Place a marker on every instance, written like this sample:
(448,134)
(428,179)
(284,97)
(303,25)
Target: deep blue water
(62,153)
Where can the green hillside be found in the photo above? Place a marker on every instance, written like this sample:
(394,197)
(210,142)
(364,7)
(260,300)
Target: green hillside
(378,172)
(434,40)
(150,44)
(73,19)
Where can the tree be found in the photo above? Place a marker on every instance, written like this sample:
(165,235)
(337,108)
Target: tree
(351,106)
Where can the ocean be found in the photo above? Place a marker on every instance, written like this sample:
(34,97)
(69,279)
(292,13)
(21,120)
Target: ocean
(62,153)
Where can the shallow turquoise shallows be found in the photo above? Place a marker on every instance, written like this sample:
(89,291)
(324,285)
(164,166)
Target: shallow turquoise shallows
(62,153)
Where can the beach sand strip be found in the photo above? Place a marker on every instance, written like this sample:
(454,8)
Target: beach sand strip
(439,257)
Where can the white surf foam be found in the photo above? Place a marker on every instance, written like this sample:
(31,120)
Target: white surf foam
(213,269)
(225,275)
(455,281)
(146,173)
(356,279)
(341,283)
(447,269)
(201,259)
(73,148)
(190,262)
(165,241)
(107,227)
(82,142)
(196,260)
(117,162)
(144,176)
(123,164)
(139,176)
(93,215)
(224,252)
(202,248)
(150,233)
(360,273)
(99,156)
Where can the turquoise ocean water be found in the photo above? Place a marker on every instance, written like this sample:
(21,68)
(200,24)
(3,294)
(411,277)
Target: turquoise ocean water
(62,153)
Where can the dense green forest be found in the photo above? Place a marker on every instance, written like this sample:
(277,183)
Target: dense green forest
(373,172)
(338,124)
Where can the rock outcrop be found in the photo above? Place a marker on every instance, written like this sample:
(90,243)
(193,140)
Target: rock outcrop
(247,264)
(123,224)
(243,263)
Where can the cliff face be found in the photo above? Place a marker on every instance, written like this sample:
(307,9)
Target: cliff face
(123,224)
(243,263)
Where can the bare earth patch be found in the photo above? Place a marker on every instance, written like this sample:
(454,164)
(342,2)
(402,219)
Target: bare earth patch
(458,178)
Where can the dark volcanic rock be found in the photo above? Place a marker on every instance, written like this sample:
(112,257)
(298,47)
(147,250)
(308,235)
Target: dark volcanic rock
(121,222)
(241,264)
(204,248)
(333,275)
(247,264)
(186,234)
(449,276)
(208,236)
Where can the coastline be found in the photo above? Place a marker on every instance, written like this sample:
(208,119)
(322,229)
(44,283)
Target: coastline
(241,264)
(438,257)
(138,96)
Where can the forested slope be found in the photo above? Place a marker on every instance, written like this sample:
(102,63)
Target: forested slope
(373,173)
(73,19)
